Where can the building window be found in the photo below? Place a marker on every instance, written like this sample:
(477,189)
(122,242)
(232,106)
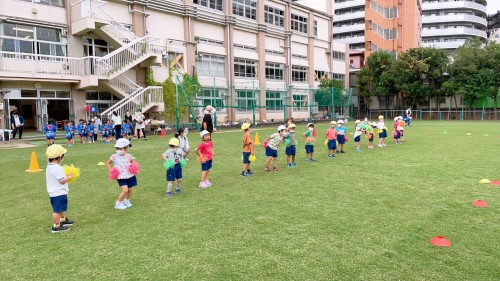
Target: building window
(315,28)
(100,100)
(274,16)
(388,34)
(173,60)
(211,65)
(244,47)
(96,47)
(274,100)
(388,13)
(274,71)
(52,3)
(320,74)
(273,52)
(300,57)
(212,4)
(28,39)
(245,68)
(211,97)
(209,41)
(338,56)
(245,8)
(339,76)
(300,102)
(299,23)
(245,100)
(299,73)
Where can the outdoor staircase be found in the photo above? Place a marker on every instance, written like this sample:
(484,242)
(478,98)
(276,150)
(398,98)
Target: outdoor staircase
(107,71)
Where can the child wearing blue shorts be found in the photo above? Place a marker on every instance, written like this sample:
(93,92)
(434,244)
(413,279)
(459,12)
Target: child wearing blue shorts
(309,146)
(50,132)
(291,146)
(70,134)
(273,141)
(341,135)
(174,153)
(121,160)
(205,152)
(57,187)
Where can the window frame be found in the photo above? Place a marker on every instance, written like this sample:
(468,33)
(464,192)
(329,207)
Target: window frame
(249,99)
(247,65)
(274,16)
(299,23)
(211,4)
(273,102)
(297,70)
(211,96)
(275,71)
(245,8)
(216,65)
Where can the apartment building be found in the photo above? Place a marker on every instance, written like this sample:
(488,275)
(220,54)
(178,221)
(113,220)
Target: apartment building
(61,58)
(447,24)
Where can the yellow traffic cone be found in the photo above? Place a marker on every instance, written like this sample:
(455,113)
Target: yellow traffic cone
(257,141)
(34,168)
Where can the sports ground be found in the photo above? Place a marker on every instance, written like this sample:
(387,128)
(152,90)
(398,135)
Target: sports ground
(365,215)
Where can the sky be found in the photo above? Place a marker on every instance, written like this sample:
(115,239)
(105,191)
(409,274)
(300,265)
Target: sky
(493,6)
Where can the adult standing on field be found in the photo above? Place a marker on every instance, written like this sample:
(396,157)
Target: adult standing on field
(408,116)
(208,123)
(117,124)
(140,124)
(17,124)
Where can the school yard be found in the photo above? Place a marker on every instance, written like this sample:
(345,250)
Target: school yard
(361,216)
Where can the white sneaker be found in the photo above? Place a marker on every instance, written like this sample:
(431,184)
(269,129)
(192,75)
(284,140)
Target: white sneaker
(127,203)
(384,144)
(208,183)
(203,185)
(120,206)
(380,145)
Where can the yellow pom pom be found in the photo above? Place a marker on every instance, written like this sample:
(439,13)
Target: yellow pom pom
(326,142)
(75,172)
(251,158)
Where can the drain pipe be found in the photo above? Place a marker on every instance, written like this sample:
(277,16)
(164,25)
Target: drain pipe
(146,15)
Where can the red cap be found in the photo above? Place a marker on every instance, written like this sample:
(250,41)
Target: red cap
(480,204)
(440,241)
(495,182)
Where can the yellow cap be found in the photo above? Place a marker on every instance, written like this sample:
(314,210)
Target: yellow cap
(292,126)
(333,123)
(357,122)
(245,126)
(380,117)
(55,151)
(174,142)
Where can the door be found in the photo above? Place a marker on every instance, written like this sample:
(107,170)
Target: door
(41,113)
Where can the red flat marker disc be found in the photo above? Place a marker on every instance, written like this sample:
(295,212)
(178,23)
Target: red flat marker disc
(495,182)
(480,204)
(440,241)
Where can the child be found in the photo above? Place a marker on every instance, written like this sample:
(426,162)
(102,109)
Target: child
(397,133)
(370,134)
(291,145)
(130,132)
(57,187)
(401,128)
(382,131)
(105,131)
(205,152)
(341,135)
(174,153)
(126,130)
(357,135)
(84,133)
(183,141)
(121,160)
(248,149)
(90,131)
(309,146)
(70,134)
(50,132)
(273,141)
(331,138)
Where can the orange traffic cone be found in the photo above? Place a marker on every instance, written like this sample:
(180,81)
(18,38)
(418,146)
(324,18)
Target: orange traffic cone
(257,141)
(162,133)
(34,168)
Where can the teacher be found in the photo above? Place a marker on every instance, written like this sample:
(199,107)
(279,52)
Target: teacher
(17,124)
(117,124)
(208,123)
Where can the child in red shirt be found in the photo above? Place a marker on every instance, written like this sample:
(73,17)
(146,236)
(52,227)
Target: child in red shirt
(205,152)
(331,138)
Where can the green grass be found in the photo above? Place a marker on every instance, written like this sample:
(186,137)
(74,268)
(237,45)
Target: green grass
(360,216)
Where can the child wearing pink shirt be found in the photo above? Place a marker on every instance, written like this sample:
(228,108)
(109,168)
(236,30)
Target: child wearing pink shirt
(331,138)
(205,152)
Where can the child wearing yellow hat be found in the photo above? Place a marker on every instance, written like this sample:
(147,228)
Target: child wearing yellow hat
(357,135)
(382,131)
(248,149)
(57,187)
(174,173)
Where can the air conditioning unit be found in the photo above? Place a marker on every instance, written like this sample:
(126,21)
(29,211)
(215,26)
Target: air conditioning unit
(198,108)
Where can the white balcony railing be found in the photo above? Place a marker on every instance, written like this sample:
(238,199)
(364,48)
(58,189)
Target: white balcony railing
(443,45)
(453,32)
(349,16)
(135,101)
(349,28)
(43,64)
(453,18)
(348,4)
(351,40)
(428,6)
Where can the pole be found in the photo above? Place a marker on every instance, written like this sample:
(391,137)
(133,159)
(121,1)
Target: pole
(253,115)
(177,112)
(284,102)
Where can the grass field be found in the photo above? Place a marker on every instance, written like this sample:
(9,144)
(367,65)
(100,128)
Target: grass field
(361,216)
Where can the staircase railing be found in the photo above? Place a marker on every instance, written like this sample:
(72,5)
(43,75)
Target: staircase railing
(123,83)
(136,101)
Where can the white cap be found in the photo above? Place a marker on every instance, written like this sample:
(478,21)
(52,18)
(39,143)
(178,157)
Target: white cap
(204,132)
(281,127)
(309,124)
(122,143)
(340,121)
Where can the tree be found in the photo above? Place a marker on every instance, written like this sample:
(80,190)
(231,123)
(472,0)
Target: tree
(493,63)
(330,90)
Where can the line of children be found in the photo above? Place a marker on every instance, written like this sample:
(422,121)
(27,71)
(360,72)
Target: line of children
(174,174)
(273,142)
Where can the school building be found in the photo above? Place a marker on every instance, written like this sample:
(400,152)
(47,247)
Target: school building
(58,57)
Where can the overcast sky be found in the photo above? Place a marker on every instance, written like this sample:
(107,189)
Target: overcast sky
(493,6)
